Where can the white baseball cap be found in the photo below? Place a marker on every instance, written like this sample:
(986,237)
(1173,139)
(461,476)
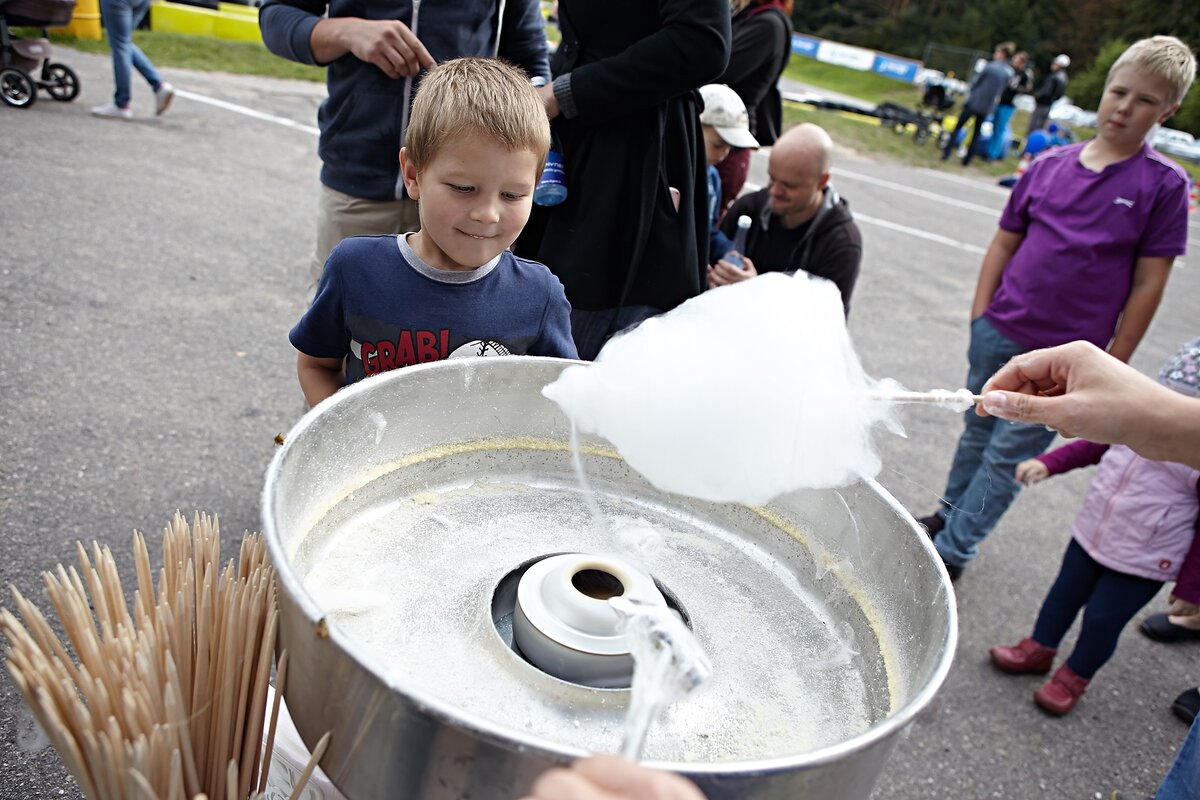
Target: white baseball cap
(726,112)
(1063,60)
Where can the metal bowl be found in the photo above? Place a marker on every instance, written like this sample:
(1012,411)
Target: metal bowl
(401,512)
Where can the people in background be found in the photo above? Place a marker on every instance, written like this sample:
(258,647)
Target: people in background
(762,46)
(726,126)
(1053,86)
(1020,83)
(799,221)
(121,18)
(985,91)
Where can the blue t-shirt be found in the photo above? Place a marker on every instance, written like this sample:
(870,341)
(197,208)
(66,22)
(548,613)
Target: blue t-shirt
(381,307)
(718,243)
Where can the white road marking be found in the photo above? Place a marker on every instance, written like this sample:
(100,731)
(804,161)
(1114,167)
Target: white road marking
(920,234)
(899,187)
(959,179)
(249,112)
(894,226)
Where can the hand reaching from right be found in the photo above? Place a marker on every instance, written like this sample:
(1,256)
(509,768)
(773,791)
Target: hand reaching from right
(1079,390)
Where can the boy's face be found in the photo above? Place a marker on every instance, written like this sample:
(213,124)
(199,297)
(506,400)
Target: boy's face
(715,148)
(1133,101)
(474,196)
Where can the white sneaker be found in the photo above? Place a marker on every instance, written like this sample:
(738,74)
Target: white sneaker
(163,97)
(113,110)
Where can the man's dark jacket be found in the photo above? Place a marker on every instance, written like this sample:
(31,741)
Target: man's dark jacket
(831,247)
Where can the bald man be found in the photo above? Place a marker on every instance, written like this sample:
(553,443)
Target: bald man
(798,222)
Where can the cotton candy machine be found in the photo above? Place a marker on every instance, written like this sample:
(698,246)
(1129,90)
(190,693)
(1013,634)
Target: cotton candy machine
(403,514)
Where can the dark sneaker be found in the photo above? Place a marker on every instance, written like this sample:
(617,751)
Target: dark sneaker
(1159,628)
(932,524)
(954,570)
(1187,705)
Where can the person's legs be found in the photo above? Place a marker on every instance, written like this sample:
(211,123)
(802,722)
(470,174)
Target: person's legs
(1117,598)
(991,490)
(591,329)
(973,145)
(958,126)
(340,215)
(987,352)
(1075,584)
(137,11)
(1183,779)
(1037,119)
(118,24)
(998,144)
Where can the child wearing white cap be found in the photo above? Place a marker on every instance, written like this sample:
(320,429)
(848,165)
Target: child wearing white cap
(726,125)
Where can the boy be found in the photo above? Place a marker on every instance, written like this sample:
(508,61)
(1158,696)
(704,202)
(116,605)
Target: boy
(1084,249)
(726,125)
(474,150)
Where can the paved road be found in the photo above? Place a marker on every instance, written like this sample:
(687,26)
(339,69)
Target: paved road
(149,275)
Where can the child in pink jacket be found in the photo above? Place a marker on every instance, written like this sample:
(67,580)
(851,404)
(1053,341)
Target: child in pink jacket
(1139,528)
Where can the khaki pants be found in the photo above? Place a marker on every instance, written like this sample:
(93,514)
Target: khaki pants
(340,215)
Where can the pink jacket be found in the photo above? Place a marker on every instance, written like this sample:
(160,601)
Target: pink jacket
(1139,516)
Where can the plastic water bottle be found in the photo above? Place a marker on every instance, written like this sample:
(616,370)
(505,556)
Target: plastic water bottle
(734,256)
(551,188)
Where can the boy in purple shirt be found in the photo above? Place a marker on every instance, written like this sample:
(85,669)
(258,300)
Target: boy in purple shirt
(1084,249)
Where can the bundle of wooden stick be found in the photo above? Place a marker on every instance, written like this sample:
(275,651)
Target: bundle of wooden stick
(165,700)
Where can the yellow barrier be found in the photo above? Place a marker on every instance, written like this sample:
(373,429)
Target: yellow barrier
(231,23)
(85,22)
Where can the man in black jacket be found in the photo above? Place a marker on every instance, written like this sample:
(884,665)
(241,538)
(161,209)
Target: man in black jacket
(798,222)
(1053,87)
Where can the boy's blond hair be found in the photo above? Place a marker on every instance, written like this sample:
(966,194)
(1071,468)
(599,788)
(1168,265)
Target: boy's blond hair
(484,96)
(1162,56)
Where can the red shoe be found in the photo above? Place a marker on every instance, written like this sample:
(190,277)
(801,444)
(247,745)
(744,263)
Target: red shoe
(1060,693)
(1024,656)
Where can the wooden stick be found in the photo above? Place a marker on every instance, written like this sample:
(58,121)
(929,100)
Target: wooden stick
(280,683)
(317,753)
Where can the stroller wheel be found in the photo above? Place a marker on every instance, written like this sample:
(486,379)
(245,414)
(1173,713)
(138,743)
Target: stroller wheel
(60,82)
(17,89)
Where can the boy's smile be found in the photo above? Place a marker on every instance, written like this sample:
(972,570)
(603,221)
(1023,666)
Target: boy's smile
(475,196)
(1131,104)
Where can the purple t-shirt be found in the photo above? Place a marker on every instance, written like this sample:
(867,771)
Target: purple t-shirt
(1084,232)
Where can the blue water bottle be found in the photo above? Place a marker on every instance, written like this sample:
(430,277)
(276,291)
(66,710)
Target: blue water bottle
(734,256)
(551,188)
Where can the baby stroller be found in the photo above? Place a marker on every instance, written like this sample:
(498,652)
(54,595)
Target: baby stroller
(23,59)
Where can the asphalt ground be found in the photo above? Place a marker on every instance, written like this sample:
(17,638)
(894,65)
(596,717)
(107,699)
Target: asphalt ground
(151,270)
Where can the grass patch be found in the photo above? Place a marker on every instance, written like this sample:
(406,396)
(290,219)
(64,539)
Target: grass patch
(865,135)
(868,86)
(200,53)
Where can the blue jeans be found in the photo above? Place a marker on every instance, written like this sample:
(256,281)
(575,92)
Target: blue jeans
(1112,599)
(591,329)
(1183,780)
(120,18)
(998,144)
(981,485)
